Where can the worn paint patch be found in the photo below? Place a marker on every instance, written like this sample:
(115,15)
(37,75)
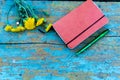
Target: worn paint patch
(99,57)
(28,74)
(79,75)
(116,63)
(102,75)
(2,24)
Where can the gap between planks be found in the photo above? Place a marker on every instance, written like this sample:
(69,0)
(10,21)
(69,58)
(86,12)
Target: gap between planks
(15,43)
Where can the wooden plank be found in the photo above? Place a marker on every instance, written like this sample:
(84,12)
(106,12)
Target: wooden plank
(56,11)
(37,56)
(57,62)
(85,0)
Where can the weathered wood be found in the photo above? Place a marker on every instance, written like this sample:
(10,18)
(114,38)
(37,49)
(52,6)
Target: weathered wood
(56,11)
(56,62)
(36,56)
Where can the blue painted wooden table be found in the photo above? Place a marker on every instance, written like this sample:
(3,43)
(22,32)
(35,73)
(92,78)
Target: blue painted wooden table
(32,55)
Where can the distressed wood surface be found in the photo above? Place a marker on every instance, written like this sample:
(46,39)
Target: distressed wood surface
(32,55)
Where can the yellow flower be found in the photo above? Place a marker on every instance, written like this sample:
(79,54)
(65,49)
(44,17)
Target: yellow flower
(21,28)
(29,23)
(18,29)
(15,30)
(8,28)
(48,27)
(39,21)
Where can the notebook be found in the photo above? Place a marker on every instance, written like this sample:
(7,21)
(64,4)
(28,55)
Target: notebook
(80,23)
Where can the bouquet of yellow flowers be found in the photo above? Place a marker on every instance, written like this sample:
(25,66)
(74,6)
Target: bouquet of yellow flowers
(28,21)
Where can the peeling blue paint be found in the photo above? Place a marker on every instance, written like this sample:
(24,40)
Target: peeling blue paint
(47,61)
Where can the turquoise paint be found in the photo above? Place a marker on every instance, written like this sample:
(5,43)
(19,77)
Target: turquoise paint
(64,58)
(46,58)
(49,78)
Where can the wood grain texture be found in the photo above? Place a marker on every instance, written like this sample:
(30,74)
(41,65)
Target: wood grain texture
(32,55)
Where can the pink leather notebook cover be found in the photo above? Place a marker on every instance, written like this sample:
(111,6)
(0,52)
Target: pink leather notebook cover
(80,23)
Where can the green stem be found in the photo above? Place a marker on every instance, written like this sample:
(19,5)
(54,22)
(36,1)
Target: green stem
(9,12)
(32,12)
(22,7)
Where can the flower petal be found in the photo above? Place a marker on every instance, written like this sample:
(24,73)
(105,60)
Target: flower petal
(40,21)
(8,28)
(48,27)
(29,23)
